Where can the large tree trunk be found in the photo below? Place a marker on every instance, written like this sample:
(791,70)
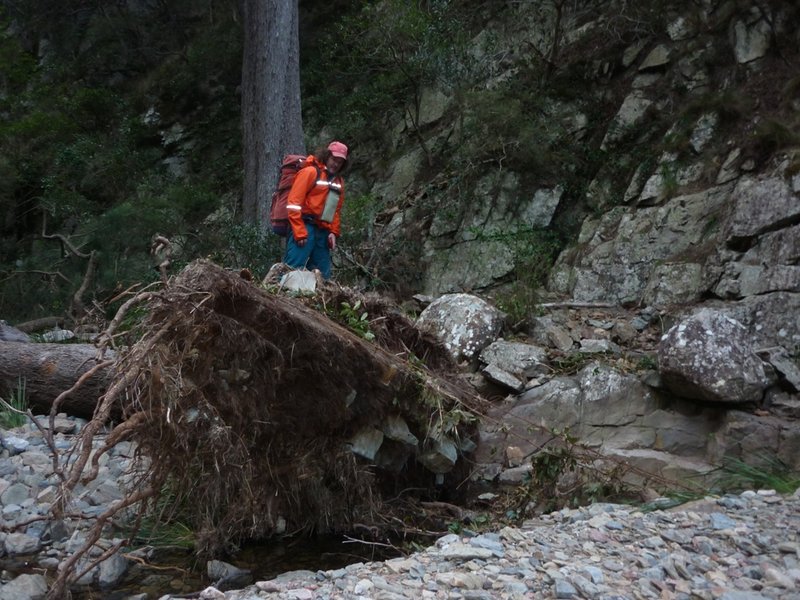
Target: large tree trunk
(43,371)
(271,118)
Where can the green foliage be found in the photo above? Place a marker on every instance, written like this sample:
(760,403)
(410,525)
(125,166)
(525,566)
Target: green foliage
(647,363)
(535,250)
(173,534)
(759,472)
(772,135)
(78,159)
(12,409)
(376,59)
(508,129)
(355,319)
(165,523)
(232,243)
(16,65)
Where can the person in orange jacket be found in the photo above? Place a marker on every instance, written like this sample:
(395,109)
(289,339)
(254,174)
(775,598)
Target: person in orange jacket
(314,205)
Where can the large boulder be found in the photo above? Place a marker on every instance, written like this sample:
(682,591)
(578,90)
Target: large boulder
(465,323)
(605,409)
(757,440)
(709,356)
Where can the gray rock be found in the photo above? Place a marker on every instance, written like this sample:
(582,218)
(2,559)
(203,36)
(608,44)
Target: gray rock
(465,323)
(366,443)
(563,589)
(112,570)
(751,41)
(503,378)
(395,428)
(630,114)
(16,493)
(21,543)
(440,456)
(781,361)
(513,357)
(709,356)
(227,576)
(9,333)
(24,587)
(14,444)
(761,203)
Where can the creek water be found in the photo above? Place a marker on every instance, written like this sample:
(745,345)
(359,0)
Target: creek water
(178,572)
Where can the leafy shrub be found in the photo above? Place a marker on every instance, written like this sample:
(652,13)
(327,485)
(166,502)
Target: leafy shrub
(535,250)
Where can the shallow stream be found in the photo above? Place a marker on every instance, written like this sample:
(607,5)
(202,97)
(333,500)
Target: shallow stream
(178,572)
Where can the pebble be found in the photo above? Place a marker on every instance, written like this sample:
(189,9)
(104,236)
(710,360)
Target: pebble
(735,547)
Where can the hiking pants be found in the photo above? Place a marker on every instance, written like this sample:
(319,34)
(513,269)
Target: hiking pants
(314,255)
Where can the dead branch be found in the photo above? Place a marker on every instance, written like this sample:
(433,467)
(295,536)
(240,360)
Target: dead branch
(78,308)
(577,305)
(65,241)
(66,574)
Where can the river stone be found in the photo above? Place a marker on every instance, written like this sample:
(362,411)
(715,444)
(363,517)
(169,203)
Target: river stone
(112,570)
(24,587)
(709,356)
(15,445)
(21,543)
(16,493)
(12,334)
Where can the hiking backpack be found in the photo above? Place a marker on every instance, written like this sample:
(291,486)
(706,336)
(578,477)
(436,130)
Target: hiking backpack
(278,214)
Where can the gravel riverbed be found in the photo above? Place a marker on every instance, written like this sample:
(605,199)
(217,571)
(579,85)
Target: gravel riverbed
(736,547)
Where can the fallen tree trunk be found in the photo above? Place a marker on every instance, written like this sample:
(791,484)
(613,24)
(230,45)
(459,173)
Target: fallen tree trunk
(41,372)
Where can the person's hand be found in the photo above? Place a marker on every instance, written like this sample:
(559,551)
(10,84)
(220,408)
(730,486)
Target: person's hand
(332,241)
(301,242)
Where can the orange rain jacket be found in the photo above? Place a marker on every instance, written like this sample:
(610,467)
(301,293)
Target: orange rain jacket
(307,198)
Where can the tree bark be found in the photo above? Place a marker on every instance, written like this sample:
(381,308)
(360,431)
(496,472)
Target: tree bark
(271,117)
(43,371)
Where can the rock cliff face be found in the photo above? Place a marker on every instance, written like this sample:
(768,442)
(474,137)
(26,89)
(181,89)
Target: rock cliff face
(690,217)
(695,194)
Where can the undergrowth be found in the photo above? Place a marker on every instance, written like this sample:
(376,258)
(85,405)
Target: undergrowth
(12,410)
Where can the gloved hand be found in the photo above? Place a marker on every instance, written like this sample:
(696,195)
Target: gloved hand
(301,243)
(331,241)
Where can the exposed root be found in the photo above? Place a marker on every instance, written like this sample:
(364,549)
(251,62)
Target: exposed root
(242,404)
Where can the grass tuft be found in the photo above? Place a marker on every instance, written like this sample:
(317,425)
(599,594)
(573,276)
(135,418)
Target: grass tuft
(12,410)
(764,472)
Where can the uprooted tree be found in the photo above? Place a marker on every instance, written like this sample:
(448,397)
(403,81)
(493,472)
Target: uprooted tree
(252,409)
